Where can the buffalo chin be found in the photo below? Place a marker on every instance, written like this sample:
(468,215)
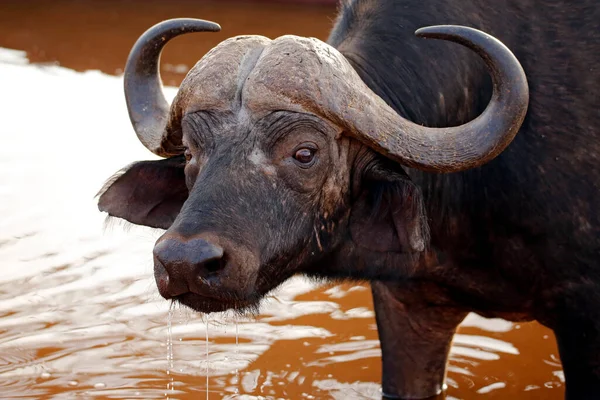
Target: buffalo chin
(210,304)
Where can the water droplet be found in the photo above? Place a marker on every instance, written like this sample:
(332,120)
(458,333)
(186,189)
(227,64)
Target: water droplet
(171,383)
(237,350)
(206,316)
(100,385)
(73,383)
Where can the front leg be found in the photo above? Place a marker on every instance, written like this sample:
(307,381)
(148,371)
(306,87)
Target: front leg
(575,319)
(415,336)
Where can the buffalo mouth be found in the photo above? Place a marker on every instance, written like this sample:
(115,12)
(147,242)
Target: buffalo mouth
(206,304)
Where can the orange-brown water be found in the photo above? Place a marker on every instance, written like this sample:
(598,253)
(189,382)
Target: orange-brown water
(79,312)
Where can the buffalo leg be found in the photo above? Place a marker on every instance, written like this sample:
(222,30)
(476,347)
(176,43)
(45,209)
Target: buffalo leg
(577,333)
(415,340)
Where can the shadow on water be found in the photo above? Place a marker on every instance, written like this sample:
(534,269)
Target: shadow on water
(79,312)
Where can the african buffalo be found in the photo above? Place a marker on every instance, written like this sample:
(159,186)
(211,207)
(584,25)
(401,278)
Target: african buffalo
(364,158)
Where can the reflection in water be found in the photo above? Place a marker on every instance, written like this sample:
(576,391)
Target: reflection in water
(79,312)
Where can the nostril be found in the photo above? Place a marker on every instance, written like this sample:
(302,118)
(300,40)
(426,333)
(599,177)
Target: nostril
(214,265)
(207,257)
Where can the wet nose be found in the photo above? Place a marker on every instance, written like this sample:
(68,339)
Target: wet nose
(182,266)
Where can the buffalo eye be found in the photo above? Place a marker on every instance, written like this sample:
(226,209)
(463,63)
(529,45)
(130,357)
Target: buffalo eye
(305,156)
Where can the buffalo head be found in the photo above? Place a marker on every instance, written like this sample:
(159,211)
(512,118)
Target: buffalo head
(280,160)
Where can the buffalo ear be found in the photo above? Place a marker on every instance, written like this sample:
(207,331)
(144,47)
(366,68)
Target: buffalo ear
(389,215)
(147,193)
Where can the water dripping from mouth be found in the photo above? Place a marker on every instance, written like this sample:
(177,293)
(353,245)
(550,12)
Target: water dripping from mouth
(207,364)
(237,350)
(180,339)
(170,383)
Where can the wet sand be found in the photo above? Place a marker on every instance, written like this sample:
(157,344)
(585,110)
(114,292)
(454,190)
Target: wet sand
(79,312)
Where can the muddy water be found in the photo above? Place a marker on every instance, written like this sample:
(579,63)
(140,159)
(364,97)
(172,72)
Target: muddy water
(79,312)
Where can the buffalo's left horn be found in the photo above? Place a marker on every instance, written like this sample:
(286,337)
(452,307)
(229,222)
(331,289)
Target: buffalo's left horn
(455,148)
(146,103)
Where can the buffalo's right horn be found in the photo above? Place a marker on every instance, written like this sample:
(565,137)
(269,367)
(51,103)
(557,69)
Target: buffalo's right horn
(146,103)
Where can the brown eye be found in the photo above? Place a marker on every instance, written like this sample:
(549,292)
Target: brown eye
(305,155)
(188,155)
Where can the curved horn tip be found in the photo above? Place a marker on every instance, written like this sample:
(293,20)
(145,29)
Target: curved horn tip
(205,25)
(185,25)
(448,31)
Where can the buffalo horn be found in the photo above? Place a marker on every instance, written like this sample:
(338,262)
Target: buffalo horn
(456,148)
(146,103)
